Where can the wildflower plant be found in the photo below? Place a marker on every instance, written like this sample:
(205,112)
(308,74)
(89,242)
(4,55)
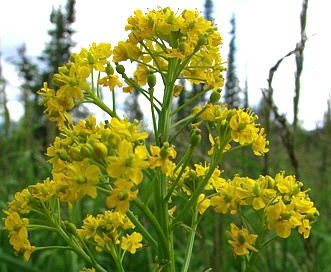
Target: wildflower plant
(111,160)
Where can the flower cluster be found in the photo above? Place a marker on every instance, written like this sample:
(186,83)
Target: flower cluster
(87,151)
(228,126)
(107,230)
(72,82)
(112,160)
(162,40)
(285,205)
(18,234)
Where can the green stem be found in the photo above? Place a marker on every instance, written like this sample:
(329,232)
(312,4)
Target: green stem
(163,242)
(55,221)
(194,98)
(92,98)
(258,243)
(183,163)
(201,186)
(145,233)
(190,242)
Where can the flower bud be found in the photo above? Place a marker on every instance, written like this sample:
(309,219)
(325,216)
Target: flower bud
(202,41)
(151,80)
(286,215)
(122,196)
(150,21)
(171,18)
(120,69)
(182,46)
(100,150)
(64,156)
(74,153)
(241,237)
(71,228)
(271,182)
(86,150)
(63,70)
(164,152)
(57,80)
(91,58)
(214,97)
(195,137)
(109,70)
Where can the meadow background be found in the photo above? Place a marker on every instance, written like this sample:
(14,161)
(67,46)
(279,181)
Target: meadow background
(304,153)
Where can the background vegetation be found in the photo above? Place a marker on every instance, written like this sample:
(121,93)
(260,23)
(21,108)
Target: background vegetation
(303,153)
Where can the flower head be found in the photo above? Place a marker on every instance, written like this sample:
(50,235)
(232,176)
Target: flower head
(241,240)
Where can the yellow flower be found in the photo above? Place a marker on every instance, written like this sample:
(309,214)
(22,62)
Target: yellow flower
(204,203)
(121,196)
(43,191)
(21,202)
(160,157)
(244,129)
(18,234)
(241,240)
(57,105)
(76,180)
(73,82)
(132,242)
(124,51)
(85,176)
(141,74)
(111,81)
(225,199)
(253,192)
(305,228)
(96,56)
(89,228)
(129,162)
(282,218)
(260,143)
(130,131)
(287,185)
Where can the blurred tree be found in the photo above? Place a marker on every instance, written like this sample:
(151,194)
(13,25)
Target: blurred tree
(208,10)
(233,92)
(4,112)
(57,51)
(132,107)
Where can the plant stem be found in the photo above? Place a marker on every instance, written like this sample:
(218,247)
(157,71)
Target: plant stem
(190,243)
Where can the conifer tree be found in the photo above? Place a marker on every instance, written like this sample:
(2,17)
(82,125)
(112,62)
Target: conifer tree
(132,107)
(57,52)
(208,10)
(58,49)
(232,95)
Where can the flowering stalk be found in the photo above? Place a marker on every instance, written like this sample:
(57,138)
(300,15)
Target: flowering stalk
(113,159)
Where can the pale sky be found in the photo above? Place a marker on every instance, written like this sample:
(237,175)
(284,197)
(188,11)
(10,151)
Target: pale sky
(266,31)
